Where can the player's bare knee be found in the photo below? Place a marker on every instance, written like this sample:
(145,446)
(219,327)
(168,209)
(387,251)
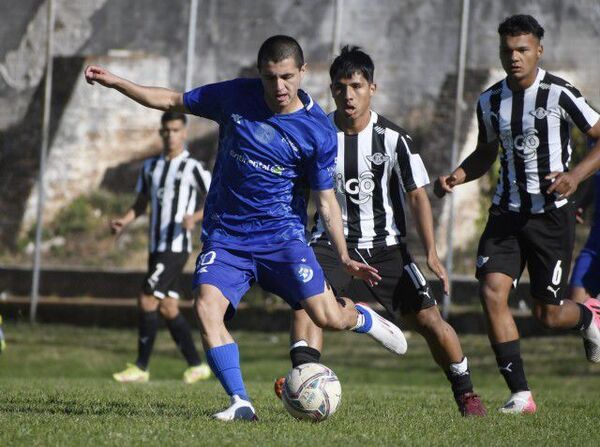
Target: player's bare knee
(428,319)
(169,309)
(148,303)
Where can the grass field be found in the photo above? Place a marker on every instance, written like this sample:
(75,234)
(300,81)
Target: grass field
(55,389)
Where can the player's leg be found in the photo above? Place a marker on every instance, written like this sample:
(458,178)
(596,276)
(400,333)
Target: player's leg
(176,323)
(499,263)
(147,323)
(294,273)
(147,329)
(403,290)
(549,240)
(221,279)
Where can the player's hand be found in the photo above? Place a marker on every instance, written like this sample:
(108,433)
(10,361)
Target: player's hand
(363,271)
(117,226)
(444,185)
(579,216)
(565,184)
(436,266)
(97,74)
(188,222)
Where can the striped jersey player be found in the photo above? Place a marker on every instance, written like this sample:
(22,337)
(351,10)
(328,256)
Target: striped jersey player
(526,118)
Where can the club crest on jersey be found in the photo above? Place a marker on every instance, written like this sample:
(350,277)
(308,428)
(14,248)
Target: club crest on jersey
(264,133)
(378,158)
(540,113)
(305,273)
(481,260)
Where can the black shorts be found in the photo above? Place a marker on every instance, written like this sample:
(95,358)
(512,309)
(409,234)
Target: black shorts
(164,274)
(402,290)
(543,242)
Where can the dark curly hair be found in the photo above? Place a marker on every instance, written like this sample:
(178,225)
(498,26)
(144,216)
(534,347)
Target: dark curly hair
(521,24)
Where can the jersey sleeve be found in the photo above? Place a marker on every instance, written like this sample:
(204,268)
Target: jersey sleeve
(141,187)
(321,164)
(412,170)
(577,109)
(207,101)
(487,133)
(202,179)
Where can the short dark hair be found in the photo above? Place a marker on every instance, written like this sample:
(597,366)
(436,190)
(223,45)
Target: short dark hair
(280,47)
(352,60)
(520,24)
(173,116)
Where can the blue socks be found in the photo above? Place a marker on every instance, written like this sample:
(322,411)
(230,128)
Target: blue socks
(225,364)
(366,323)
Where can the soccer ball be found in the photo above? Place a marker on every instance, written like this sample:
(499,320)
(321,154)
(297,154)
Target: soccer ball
(311,392)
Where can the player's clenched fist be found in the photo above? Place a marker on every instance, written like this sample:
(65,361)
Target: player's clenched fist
(116,226)
(104,77)
(444,184)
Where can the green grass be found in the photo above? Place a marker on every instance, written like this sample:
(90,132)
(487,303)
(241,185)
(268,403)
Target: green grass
(55,389)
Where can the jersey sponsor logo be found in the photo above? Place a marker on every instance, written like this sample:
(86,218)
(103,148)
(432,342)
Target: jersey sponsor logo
(243,158)
(305,273)
(524,145)
(378,158)
(361,187)
(264,133)
(481,260)
(237,119)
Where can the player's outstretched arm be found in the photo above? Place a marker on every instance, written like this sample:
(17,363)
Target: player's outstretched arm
(329,210)
(139,207)
(474,166)
(421,210)
(154,97)
(566,183)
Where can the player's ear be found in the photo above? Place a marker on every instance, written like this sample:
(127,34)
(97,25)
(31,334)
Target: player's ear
(540,50)
(372,88)
(303,70)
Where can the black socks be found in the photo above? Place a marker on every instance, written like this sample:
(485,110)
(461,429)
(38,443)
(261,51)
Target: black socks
(510,364)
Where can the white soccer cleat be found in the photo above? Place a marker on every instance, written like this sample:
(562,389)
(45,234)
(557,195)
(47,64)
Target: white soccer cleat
(519,403)
(384,331)
(591,336)
(239,409)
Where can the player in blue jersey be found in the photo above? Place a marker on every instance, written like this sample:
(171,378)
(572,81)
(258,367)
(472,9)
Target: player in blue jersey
(275,144)
(585,279)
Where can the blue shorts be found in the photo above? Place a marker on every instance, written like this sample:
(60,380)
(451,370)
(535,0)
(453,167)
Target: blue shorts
(586,272)
(289,270)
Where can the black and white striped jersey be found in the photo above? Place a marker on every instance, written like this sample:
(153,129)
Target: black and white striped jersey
(374,168)
(175,188)
(533,127)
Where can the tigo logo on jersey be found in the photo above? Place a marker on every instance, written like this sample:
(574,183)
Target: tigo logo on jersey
(305,272)
(524,145)
(362,187)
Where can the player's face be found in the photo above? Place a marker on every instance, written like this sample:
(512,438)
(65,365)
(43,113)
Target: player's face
(520,55)
(281,81)
(173,134)
(353,95)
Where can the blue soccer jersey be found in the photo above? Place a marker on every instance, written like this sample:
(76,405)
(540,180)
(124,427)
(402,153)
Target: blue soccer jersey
(265,164)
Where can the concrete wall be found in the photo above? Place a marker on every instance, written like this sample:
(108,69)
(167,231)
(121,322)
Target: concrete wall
(414,44)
